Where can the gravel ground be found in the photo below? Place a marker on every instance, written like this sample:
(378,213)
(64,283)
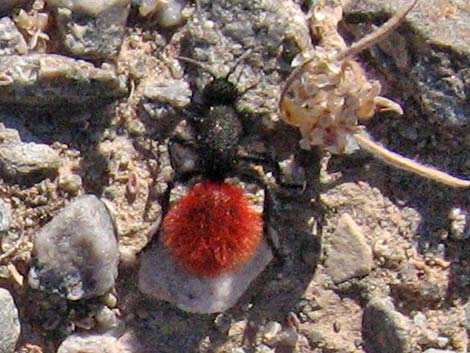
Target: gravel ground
(375,261)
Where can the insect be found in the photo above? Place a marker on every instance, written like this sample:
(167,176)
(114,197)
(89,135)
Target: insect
(214,228)
(328,95)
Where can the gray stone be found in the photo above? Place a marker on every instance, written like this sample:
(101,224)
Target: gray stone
(28,160)
(384,329)
(11,39)
(5,216)
(175,92)
(438,78)
(76,254)
(52,80)
(349,255)
(92,29)
(9,323)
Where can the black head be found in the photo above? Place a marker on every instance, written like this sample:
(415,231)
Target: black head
(220,91)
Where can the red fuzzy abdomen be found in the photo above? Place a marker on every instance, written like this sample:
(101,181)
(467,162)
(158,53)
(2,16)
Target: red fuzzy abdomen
(213,229)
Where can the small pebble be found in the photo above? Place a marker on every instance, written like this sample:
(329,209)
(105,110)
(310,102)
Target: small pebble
(174,92)
(349,255)
(106,318)
(9,323)
(24,160)
(80,343)
(172,14)
(433,350)
(11,39)
(76,254)
(5,216)
(70,183)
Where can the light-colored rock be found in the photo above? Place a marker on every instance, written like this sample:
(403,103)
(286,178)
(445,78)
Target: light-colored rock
(95,343)
(27,160)
(349,255)
(5,216)
(76,254)
(9,323)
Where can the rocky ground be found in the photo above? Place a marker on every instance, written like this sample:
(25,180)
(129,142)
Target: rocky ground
(92,97)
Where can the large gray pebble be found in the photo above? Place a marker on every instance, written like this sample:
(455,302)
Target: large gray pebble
(91,29)
(76,254)
(9,322)
(23,160)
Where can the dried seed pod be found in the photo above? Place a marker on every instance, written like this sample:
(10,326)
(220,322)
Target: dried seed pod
(329,94)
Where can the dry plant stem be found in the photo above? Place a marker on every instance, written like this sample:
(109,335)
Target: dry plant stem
(13,249)
(377,35)
(398,161)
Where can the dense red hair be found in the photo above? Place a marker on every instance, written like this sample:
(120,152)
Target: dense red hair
(213,229)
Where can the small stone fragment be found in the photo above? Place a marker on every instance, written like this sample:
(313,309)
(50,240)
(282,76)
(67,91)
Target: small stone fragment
(384,329)
(76,254)
(105,343)
(11,40)
(349,255)
(92,29)
(171,15)
(5,217)
(174,92)
(28,160)
(70,183)
(8,135)
(52,80)
(9,323)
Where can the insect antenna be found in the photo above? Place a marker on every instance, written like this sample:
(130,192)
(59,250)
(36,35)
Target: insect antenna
(198,64)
